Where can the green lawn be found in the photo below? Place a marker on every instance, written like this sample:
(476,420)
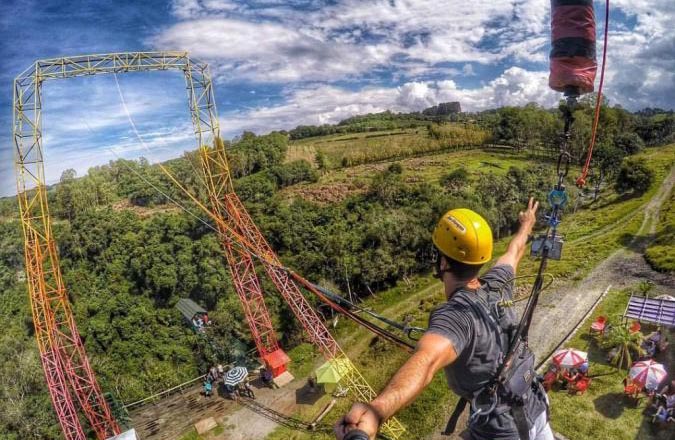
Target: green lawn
(661,253)
(602,412)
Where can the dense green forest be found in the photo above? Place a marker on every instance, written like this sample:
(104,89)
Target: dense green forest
(129,254)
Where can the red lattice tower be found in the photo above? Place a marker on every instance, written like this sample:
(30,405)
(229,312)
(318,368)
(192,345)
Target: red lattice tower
(234,220)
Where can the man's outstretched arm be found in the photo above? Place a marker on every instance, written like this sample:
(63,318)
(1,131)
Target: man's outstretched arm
(433,352)
(517,246)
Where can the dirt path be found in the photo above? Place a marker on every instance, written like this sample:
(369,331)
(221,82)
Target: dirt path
(246,424)
(564,307)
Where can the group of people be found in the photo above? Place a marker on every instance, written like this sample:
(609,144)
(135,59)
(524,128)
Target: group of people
(654,344)
(663,404)
(200,321)
(233,392)
(573,379)
(244,388)
(215,373)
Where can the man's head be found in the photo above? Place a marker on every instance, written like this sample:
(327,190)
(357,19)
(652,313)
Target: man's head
(463,240)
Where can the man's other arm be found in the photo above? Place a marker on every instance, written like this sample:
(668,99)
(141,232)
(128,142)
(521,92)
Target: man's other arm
(433,352)
(517,246)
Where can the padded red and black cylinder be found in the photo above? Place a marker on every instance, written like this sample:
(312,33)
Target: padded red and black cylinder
(573,62)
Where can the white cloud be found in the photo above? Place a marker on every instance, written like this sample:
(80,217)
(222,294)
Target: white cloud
(272,41)
(324,104)
(270,51)
(641,61)
(306,40)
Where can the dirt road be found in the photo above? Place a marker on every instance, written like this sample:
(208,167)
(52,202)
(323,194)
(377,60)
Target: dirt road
(564,307)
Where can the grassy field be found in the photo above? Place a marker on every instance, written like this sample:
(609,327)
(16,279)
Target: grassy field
(337,184)
(351,149)
(594,232)
(603,412)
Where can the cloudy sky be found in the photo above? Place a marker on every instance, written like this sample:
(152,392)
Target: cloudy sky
(277,64)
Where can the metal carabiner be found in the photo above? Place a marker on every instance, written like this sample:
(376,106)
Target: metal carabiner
(478,411)
(410,330)
(568,159)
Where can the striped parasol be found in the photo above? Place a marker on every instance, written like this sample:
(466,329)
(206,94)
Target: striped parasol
(235,375)
(569,358)
(648,373)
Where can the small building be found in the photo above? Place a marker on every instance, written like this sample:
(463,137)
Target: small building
(192,313)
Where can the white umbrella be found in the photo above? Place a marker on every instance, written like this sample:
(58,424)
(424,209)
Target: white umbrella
(648,373)
(235,375)
(569,358)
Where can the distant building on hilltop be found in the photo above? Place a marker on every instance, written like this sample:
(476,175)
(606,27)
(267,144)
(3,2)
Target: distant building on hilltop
(443,109)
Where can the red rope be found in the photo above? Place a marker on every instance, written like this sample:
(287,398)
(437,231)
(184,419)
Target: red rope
(581,181)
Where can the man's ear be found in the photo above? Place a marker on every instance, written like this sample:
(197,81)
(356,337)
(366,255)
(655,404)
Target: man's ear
(443,262)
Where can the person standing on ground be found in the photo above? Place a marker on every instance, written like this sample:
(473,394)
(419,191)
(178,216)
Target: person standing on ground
(460,340)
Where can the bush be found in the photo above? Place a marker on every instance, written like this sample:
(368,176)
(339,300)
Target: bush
(395,168)
(455,180)
(293,172)
(629,143)
(255,188)
(634,176)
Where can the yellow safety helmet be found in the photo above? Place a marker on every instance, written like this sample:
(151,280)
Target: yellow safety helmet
(464,236)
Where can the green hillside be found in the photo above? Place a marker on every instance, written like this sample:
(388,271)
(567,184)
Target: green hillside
(352,210)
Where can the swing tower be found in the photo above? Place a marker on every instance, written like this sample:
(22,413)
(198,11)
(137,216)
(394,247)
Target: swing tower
(71,381)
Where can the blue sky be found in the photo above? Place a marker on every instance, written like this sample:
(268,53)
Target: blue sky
(277,64)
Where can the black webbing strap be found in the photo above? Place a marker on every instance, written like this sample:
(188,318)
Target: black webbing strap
(454,418)
(518,413)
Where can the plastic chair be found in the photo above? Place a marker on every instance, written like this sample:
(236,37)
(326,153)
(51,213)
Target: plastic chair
(550,378)
(599,325)
(580,386)
(634,327)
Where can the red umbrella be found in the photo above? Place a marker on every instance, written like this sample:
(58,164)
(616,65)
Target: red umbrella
(569,358)
(648,373)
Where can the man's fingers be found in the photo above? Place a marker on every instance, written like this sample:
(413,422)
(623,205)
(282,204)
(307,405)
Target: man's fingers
(536,206)
(354,415)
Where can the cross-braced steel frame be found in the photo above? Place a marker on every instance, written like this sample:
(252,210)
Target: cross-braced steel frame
(64,360)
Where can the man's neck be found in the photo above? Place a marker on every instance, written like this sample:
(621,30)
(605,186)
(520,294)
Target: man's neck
(452,285)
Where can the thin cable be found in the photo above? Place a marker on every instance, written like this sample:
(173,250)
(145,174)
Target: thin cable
(138,135)
(581,180)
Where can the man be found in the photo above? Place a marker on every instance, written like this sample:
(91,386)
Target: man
(460,339)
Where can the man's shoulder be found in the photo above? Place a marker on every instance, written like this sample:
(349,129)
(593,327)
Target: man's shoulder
(498,275)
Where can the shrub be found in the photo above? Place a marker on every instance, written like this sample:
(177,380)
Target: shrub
(293,172)
(629,143)
(395,168)
(635,176)
(455,180)
(255,188)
